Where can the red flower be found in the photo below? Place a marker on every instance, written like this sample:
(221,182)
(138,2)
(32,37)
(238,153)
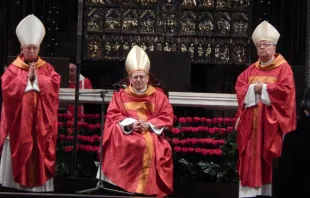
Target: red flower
(177,149)
(214,120)
(81,124)
(227,121)
(182,120)
(70,130)
(81,147)
(85,125)
(182,142)
(203,120)
(88,148)
(175,131)
(175,118)
(90,139)
(70,124)
(191,149)
(96,138)
(214,142)
(220,120)
(194,141)
(216,130)
(91,127)
(59,116)
(175,141)
(95,148)
(189,119)
(204,151)
(211,151)
(194,129)
(68,149)
(230,129)
(62,137)
(218,152)
(184,150)
(69,137)
(209,140)
(183,129)
(222,131)
(212,130)
(209,121)
(97,116)
(196,119)
(221,142)
(97,126)
(60,124)
(201,128)
(198,150)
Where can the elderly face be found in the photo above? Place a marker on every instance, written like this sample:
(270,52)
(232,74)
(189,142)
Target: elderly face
(30,52)
(72,72)
(139,80)
(265,49)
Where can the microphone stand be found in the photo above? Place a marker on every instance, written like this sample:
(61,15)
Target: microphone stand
(100,185)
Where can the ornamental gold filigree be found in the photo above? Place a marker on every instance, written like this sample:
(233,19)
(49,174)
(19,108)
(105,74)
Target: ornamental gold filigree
(94,48)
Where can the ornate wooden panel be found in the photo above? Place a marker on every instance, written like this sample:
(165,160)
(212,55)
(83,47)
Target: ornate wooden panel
(213,31)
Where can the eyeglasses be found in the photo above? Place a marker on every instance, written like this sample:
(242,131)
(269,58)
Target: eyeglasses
(258,45)
(137,77)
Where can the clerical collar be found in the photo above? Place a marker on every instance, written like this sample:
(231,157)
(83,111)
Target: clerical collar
(139,91)
(267,63)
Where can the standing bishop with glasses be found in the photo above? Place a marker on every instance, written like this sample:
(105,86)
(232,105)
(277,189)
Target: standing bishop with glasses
(28,129)
(266,112)
(136,156)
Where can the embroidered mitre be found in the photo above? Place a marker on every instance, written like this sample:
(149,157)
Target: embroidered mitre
(265,31)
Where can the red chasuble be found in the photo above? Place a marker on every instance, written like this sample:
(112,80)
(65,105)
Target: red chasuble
(30,120)
(261,128)
(82,85)
(138,162)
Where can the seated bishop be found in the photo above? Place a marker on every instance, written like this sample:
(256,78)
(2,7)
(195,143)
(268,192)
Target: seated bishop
(136,156)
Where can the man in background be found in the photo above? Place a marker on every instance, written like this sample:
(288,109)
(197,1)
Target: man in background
(84,84)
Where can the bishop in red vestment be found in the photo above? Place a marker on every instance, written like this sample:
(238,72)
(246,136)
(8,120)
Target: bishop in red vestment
(83,84)
(267,111)
(136,156)
(28,130)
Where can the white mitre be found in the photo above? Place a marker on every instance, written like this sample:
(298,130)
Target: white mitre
(265,31)
(137,60)
(30,31)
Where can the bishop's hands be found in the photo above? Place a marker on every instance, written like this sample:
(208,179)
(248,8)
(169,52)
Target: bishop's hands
(140,126)
(32,73)
(258,87)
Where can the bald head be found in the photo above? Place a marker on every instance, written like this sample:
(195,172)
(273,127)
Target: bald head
(72,72)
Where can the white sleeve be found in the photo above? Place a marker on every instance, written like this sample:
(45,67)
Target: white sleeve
(156,130)
(265,97)
(125,122)
(33,87)
(250,97)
